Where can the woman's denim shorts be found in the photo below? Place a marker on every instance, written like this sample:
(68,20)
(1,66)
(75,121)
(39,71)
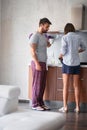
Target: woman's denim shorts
(70,69)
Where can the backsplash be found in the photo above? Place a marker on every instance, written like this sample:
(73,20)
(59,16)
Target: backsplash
(54,51)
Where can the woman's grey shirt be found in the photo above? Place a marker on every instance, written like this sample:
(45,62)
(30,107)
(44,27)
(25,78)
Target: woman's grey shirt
(71,43)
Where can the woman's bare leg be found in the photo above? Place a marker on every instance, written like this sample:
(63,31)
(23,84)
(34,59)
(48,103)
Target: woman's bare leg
(77,90)
(65,89)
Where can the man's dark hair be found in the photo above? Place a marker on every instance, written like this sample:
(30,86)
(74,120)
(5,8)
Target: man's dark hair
(69,27)
(44,20)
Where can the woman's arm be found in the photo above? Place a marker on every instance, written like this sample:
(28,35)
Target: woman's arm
(63,47)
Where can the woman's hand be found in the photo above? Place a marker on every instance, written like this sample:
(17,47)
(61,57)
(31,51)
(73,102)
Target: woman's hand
(61,58)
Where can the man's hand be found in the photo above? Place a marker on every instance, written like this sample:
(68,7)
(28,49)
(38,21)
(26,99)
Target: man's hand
(38,67)
(80,50)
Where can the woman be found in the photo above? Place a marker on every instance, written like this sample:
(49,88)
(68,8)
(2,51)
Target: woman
(72,45)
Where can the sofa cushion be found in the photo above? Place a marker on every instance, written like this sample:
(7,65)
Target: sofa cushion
(8,91)
(32,120)
(8,105)
(8,99)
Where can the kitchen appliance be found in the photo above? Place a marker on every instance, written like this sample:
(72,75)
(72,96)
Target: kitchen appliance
(83,55)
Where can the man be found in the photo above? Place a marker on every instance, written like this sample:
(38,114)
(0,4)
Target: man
(38,44)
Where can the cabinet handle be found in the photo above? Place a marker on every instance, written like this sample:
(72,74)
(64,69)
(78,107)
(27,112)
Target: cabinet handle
(82,79)
(62,78)
(59,78)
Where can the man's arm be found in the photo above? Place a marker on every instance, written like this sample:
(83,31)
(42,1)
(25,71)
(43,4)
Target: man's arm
(48,43)
(34,56)
(81,50)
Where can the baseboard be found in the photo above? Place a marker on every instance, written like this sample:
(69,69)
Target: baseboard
(24,101)
(58,104)
(71,105)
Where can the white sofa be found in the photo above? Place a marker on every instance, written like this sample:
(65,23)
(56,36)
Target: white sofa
(8,98)
(25,119)
(32,120)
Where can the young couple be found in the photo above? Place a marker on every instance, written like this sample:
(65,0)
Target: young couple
(72,44)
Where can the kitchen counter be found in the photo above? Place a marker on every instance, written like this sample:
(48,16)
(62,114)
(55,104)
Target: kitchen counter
(54,84)
(60,65)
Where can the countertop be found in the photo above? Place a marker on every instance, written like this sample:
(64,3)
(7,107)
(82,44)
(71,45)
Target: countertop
(60,65)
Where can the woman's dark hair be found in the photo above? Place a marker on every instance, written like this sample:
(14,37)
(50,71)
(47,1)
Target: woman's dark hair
(69,27)
(44,20)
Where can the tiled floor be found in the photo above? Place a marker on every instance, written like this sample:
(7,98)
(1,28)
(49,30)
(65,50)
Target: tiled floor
(73,121)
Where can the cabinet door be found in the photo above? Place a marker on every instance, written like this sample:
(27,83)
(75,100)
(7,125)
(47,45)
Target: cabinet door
(30,83)
(59,88)
(50,89)
(50,93)
(83,85)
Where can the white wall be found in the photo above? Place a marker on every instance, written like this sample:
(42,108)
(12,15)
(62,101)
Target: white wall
(0,22)
(73,2)
(19,19)
(14,68)
(0,34)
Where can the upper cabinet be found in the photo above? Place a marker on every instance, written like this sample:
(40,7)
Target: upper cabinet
(77,12)
(79,16)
